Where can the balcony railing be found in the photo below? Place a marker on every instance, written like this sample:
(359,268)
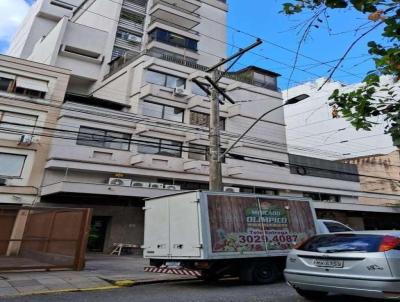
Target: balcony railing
(134,7)
(125,60)
(155,20)
(131,25)
(127,44)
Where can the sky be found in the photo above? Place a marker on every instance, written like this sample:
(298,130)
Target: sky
(281,35)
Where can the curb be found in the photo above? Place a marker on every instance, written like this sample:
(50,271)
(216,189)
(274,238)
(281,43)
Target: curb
(131,283)
(70,290)
(115,285)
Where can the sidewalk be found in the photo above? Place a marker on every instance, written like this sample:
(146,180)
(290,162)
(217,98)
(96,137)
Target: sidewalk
(101,272)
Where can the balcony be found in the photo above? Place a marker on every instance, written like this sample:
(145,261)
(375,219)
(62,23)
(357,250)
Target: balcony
(154,93)
(175,15)
(188,5)
(130,25)
(131,46)
(135,6)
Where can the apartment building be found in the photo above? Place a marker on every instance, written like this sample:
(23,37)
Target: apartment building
(386,171)
(315,127)
(134,124)
(30,97)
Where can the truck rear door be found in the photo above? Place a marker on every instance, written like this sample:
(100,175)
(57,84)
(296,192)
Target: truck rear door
(156,228)
(184,226)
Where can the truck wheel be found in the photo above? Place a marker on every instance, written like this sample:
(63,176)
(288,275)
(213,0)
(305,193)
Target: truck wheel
(311,294)
(260,272)
(209,276)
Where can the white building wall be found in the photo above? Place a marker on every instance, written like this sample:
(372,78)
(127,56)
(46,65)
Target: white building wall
(312,131)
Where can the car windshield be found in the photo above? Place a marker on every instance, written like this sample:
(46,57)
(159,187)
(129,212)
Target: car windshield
(335,227)
(342,243)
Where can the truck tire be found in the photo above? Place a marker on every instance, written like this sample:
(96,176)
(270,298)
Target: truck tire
(209,276)
(259,272)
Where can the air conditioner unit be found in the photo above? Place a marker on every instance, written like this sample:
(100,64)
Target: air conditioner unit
(134,38)
(232,189)
(3,182)
(25,139)
(181,91)
(155,185)
(140,184)
(122,182)
(172,187)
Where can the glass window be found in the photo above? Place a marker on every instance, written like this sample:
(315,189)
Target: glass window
(11,164)
(198,152)
(6,84)
(30,92)
(151,146)
(171,148)
(152,109)
(103,138)
(161,147)
(203,120)
(155,78)
(17,121)
(163,79)
(198,91)
(173,82)
(336,243)
(162,111)
(335,227)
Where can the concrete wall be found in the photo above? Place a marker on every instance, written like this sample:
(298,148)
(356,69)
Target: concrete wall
(312,131)
(25,188)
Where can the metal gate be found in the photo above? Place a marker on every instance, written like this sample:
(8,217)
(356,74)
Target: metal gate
(43,238)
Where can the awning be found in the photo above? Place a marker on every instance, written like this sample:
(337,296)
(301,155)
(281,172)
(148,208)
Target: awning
(7,76)
(32,84)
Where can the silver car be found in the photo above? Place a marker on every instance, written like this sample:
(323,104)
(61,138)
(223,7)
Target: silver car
(363,264)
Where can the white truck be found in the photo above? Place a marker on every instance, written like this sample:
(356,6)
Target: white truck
(225,234)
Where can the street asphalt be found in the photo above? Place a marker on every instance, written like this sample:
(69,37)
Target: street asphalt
(184,291)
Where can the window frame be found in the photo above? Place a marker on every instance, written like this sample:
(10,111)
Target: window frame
(166,75)
(106,131)
(25,156)
(222,120)
(158,145)
(163,106)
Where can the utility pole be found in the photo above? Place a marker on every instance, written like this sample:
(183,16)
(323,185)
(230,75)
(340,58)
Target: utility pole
(215,177)
(215,181)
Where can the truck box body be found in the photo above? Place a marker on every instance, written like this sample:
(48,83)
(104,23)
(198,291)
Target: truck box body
(211,226)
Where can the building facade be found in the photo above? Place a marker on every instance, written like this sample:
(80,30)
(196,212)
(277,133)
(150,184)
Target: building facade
(30,98)
(135,125)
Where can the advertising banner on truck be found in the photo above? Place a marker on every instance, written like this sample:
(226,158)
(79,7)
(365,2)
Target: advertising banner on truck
(256,224)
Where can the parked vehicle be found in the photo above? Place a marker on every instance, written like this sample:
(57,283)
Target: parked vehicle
(363,264)
(220,234)
(325,226)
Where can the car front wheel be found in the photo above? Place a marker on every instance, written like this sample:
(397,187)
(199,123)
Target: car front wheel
(311,294)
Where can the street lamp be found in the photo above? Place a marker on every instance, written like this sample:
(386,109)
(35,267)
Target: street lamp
(290,101)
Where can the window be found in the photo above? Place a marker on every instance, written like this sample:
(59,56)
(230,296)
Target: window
(131,17)
(342,243)
(322,197)
(201,152)
(170,38)
(161,147)
(198,91)
(103,138)
(162,111)
(24,86)
(198,152)
(163,79)
(6,84)
(8,120)
(11,164)
(128,36)
(203,119)
(335,227)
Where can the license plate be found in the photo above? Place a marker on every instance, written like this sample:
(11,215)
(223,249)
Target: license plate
(328,263)
(173,264)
